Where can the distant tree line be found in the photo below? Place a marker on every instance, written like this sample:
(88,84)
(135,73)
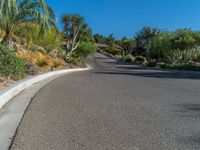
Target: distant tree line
(155,45)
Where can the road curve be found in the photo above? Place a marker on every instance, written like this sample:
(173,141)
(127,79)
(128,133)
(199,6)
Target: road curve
(116,106)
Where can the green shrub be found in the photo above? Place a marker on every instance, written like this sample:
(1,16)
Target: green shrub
(113,50)
(129,58)
(85,49)
(188,67)
(119,57)
(10,64)
(74,59)
(140,60)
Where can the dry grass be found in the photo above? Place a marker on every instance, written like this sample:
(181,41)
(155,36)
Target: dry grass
(40,59)
(58,62)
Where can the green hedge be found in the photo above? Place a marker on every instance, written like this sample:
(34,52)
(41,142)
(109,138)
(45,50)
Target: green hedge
(10,64)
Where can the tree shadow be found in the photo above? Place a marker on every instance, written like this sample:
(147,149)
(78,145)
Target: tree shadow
(191,141)
(153,73)
(113,67)
(188,108)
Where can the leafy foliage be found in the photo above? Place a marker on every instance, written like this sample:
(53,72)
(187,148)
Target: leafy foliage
(75,30)
(85,49)
(161,47)
(10,64)
(31,35)
(129,58)
(140,60)
(144,40)
(14,12)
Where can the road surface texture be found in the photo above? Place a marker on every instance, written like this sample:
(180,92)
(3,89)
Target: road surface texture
(116,106)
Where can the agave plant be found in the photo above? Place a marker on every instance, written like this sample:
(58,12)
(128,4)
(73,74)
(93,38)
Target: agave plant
(15,12)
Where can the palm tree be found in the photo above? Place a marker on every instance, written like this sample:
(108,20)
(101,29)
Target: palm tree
(15,12)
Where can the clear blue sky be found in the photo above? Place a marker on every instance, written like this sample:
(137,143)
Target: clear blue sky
(125,17)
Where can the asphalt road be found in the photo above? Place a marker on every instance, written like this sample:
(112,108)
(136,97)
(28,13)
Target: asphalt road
(116,106)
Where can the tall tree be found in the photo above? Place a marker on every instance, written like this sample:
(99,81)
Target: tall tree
(161,47)
(144,39)
(75,30)
(15,12)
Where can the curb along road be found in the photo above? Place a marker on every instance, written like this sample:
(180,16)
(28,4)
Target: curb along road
(9,93)
(15,100)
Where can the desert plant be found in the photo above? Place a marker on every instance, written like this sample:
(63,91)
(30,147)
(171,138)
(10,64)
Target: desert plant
(75,30)
(184,45)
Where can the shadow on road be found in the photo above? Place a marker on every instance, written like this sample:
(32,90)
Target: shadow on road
(153,74)
(189,141)
(188,107)
(106,65)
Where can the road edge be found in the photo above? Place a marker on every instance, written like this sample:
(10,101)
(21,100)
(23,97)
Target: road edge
(12,91)
(12,112)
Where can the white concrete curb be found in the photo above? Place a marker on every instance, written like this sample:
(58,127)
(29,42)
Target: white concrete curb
(10,93)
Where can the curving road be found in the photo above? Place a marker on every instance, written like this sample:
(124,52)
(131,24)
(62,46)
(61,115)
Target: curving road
(116,106)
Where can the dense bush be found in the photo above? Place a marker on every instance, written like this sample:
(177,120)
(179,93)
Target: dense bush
(140,60)
(10,64)
(74,59)
(81,53)
(161,47)
(113,51)
(129,58)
